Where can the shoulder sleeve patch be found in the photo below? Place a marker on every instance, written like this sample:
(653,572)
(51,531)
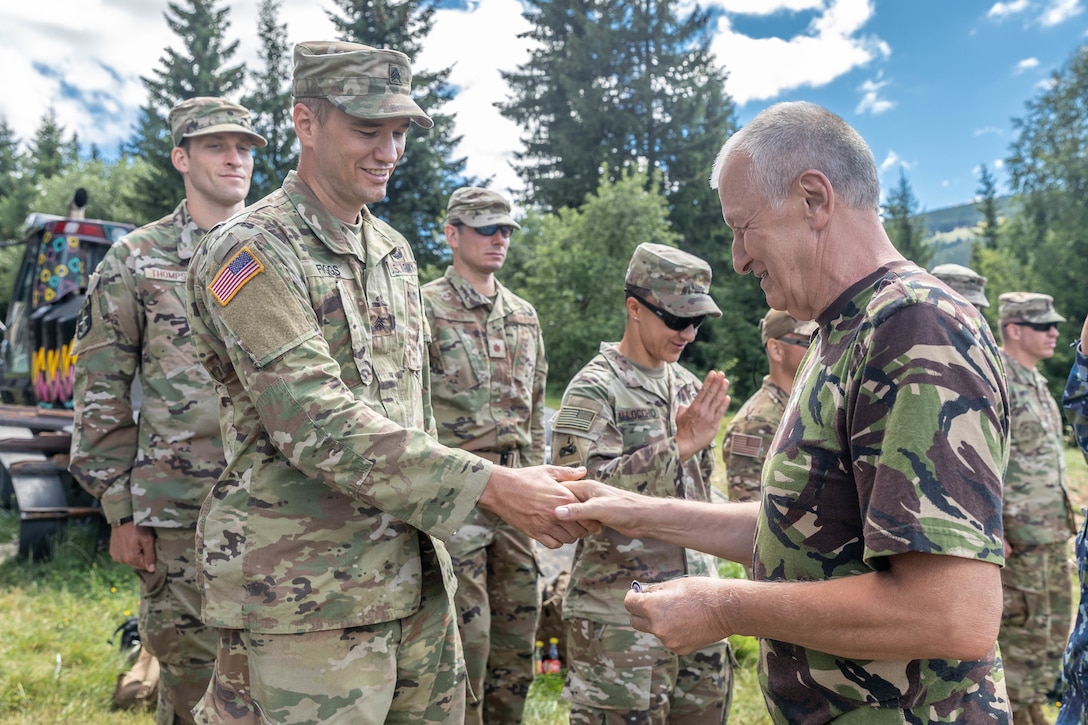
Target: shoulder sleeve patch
(743,444)
(572,417)
(241,268)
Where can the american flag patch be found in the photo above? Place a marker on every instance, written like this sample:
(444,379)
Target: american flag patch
(573,418)
(239,270)
(746,445)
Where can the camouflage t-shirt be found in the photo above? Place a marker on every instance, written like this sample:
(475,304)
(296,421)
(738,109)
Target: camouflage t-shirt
(133,336)
(1037,508)
(1075,398)
(619,420)
(894,440)
(748,439)
(488,369)
(334,484)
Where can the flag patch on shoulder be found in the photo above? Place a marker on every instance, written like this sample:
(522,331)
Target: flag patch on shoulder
(746,445)
(572,418)
(242,267)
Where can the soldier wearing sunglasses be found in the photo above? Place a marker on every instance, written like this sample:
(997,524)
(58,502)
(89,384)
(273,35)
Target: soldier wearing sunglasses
(488,372)
(639,421)
(748,437)
(1038,516)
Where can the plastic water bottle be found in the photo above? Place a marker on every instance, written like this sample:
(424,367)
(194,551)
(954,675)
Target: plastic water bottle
(538,658)
(552,664)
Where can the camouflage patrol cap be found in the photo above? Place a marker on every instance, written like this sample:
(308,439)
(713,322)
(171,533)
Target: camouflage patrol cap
(776,324)
(208,114)
(1027,307)
(478,207)
(671,279)
(365,82)
(970,284)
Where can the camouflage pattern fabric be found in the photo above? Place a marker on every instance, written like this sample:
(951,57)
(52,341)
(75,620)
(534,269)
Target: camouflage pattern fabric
(908,376)
(170,626)
(488,372)
(1035,621)
(1038,520)
(133,330)
(335,489)
(748,439)
(617,675)
(1074,694)
(1036,498)
(619,420)
(132,334)
(344,676)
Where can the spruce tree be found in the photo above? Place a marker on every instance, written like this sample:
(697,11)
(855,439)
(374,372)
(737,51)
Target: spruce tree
(270,104)
(986,205)
(428,172)
(903,225)
(200,68)
(49,152)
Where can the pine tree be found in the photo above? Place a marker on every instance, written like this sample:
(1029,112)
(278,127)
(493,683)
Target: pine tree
(986,205)
(905,228)
(270,104)
(428,172)
(49,151)
(199,69)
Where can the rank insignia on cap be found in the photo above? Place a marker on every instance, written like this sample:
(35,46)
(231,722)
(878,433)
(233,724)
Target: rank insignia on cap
(243,267)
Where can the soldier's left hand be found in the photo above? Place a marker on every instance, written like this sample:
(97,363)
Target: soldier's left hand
(682,613)
(698,423)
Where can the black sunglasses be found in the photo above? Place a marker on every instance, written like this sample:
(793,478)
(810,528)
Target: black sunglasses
(798,341)
(505,229)
(1038,326)
(674,323)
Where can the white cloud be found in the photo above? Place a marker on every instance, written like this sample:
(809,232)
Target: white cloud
(891,161)
(986,130)
(1058,11)
(1002,10)
(768,7)
(1026,64)
(763,68)
(871,102)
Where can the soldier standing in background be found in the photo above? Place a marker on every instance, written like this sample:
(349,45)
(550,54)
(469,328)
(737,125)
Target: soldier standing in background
(748,436)
(153,474)
(488,372)
(321,544)
(638,420)
(1037,514)
(967,282)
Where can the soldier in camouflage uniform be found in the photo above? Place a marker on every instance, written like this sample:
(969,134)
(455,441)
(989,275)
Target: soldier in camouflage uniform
(967,282)
(1074,694)
(488,373)
(638,420)
(1038,515)
(153,474)
(321,552)
(748,436)
(878,541)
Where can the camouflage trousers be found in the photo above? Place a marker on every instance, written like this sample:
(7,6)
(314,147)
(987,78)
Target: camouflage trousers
(617,675)
(1035,623)
(406,672)
(170,626)
(1074,697)
(498,607)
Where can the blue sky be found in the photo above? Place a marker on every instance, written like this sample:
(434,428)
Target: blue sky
(933,85)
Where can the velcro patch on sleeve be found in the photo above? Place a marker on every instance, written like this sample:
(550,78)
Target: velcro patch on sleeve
(571,417)
(746,445)
(241,268)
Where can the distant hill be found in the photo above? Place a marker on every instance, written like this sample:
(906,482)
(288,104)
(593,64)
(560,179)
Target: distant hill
(952,230)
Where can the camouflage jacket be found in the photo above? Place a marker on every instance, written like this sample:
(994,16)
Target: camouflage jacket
(748,438)
(315,332)
(133,340)
(894,440)
(1037,508)
(488,369)
(619,420)
(1075,398)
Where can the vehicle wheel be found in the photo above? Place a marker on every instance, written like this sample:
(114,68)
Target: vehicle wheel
(36,538)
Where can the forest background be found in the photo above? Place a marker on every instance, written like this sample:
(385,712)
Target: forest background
(622,109)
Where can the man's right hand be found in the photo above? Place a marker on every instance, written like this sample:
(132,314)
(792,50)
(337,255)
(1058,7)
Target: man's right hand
(526,498)
(133,545)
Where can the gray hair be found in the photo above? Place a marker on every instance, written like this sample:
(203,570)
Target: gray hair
(787,139)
